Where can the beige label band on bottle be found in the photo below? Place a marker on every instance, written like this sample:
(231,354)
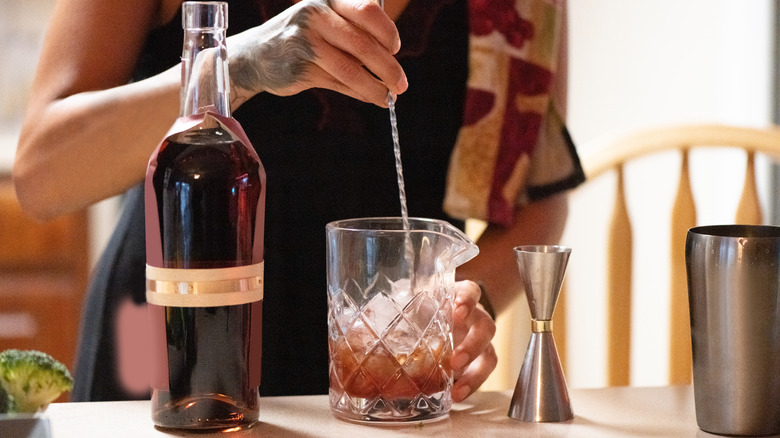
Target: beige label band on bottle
(204,287)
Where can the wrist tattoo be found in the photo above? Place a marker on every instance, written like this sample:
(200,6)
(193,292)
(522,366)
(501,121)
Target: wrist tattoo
(281,60)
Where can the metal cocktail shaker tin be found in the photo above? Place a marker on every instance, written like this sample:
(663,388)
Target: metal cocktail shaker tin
(734,297)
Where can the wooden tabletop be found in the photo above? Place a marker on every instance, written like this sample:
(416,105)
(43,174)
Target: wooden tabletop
(605,412)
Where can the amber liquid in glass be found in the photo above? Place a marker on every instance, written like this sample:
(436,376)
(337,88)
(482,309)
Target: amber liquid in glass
(396,373)
(207,188)
(403,376)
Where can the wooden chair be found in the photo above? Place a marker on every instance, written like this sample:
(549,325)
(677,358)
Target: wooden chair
(614,157)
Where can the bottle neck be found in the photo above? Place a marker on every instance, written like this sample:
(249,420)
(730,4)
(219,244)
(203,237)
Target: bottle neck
(205,80)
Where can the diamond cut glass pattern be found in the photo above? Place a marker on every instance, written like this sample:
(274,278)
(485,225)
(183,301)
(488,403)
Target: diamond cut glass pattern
(387,362)
(390,317)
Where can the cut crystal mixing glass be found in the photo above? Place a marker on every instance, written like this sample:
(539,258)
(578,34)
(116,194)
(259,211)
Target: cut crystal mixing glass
(390,316)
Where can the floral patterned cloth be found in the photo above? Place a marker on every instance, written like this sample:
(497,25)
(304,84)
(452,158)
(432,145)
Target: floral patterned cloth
(513,146)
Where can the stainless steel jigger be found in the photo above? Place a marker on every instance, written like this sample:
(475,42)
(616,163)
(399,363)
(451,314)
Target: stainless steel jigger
(541,394)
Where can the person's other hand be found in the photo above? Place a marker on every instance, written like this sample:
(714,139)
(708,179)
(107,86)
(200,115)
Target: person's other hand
(473,358)
(342,45)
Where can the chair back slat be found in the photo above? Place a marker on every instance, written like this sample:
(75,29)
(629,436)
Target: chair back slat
(620,248)
(560,327)
(682,219)
(749,208)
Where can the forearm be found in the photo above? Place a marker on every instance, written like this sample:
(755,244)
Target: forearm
(90,146)
(79,146)
(539,222)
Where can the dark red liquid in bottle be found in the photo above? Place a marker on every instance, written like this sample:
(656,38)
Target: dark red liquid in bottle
(207,187)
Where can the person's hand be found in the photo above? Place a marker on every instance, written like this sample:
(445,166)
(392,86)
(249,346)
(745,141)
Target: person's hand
(474,357)
(342,45)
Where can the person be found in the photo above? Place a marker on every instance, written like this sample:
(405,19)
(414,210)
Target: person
(309,84)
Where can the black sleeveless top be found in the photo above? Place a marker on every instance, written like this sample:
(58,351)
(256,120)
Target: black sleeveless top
(326,157)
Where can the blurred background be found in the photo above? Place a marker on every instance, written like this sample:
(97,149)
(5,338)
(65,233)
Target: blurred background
(633,64)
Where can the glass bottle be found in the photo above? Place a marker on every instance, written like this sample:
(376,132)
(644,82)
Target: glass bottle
(205,193)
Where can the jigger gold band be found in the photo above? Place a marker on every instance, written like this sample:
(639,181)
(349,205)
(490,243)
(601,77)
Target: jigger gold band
(541,326)
(204,287)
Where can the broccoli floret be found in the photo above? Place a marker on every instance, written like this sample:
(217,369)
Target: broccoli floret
(32,379)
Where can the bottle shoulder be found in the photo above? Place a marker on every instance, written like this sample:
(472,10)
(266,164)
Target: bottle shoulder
(203,156)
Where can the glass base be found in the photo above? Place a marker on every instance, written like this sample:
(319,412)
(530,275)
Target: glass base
(422,408)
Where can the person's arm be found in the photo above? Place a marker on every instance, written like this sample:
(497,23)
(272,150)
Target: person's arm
(538,223)
(88,134)
(85,136)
